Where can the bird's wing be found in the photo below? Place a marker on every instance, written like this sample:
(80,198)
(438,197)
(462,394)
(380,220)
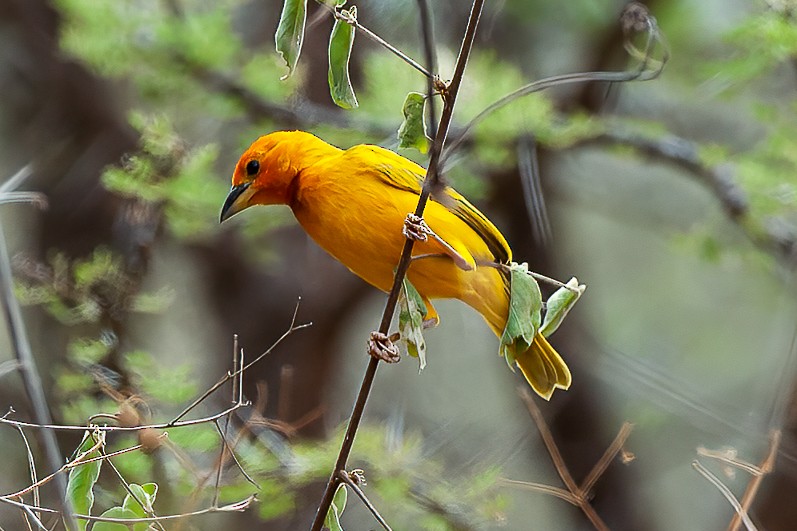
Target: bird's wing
(403,174)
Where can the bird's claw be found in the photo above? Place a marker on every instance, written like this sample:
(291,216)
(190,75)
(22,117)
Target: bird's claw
(381,347)
(415,228)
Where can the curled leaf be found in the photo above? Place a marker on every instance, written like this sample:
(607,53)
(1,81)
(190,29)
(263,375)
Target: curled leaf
(525,313)
(412,132)
(332,520)
(411,313)
(290,33)
(559,304)
(340,42)
(82,477)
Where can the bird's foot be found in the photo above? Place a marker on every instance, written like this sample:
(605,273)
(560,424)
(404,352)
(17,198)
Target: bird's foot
(381,347)
(415,228)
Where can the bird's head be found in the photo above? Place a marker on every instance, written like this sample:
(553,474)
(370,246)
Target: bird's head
(266,171)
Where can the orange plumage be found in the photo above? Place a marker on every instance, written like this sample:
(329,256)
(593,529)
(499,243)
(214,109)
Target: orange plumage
(353,203)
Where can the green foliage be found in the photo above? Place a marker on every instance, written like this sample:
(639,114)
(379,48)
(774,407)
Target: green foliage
(170,385)
(166,173)
(525,310)
(340,43)
(559,304)
(290,32)
(137,504)
(412,132)
(411,313)
(74,291)
(80,485)
(332,520)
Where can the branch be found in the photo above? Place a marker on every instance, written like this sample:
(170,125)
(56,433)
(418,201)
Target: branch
(24,355)
(643,72)
(719,180)
(726,492)
(352,21)
(354,484)
(575,494)
(431,181)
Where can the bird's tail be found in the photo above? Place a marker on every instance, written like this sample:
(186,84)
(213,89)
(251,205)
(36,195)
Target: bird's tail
(543,367)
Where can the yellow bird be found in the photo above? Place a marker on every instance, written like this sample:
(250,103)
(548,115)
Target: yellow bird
(354,204)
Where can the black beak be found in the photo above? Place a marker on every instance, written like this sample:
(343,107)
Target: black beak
(230,207)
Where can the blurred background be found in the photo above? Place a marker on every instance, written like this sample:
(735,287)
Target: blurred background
(674,200)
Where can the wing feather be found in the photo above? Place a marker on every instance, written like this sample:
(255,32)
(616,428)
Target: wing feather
(403,174)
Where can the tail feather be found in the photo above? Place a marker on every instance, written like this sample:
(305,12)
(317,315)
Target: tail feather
(543,368)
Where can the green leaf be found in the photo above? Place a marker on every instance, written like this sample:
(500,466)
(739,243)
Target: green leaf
(118,512)
(525,313)
(412,133)
(411,313)
(144,494)
(290,33)
(340,43)
(332,521)
(80,485)
(559,304)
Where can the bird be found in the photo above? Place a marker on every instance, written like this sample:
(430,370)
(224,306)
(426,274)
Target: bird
(355,202)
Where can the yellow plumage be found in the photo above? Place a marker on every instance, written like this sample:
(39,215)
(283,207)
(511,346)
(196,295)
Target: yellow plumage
(353,203)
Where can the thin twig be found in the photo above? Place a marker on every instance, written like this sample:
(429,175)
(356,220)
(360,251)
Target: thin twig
(726,492)
(428,39)
(641,73)
(344,476)
(764,468)
(559,463)
(31,466)
(161,426)
(148,510)
(562,494)
(24,355)
(238,506)
(606,459)
(430,182)
(348,19)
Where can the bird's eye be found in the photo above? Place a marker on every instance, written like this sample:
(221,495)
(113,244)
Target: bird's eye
(252,167)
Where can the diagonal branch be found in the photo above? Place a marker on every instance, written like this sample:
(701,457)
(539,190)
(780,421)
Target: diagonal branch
(431,181)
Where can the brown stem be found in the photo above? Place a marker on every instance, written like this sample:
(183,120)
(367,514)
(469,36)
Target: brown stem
(752,488)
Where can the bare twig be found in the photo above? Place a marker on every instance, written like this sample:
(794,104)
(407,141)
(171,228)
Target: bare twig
(127,488)
(346,17)
(607,457)
(562,494)
(764,468)
(238,506)
(580,494)
(643,72)
(430,182)
(346,478)
(726,492)
(31,466)
(27,364)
